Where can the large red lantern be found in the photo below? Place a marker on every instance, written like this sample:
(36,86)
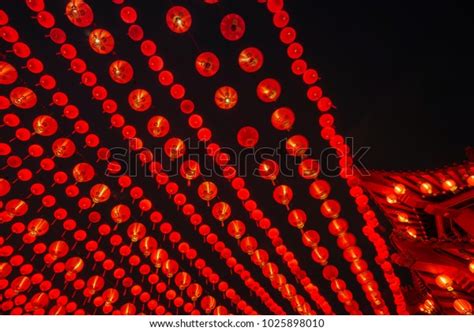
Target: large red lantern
(221,211)
(174,148)
(283,194)
(309,169)
(8,73)
(236,229)
(194,291)
(226,97)
(268,90)
(297,145)
(207,191)
(139,100)
(190,170)
(182,280)
(297,218)
(232,27)
(250,59)
(269,170)
(121,71)
(178,19)
(248,245)
(120,213)
(247,137)
(101,41)
(136,231)
(79,13)
(283,119)
(330,209)
(158,257)
(319,189)
(23,97)
(207,64)
(170,268)
(45,125)
(83,172)
(38,227)
(64,147)
(158,126)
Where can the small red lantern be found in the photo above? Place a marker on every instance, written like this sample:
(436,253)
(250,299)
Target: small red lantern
(158,126)
(101,41)
(140,100)
(207,64)
(250,59)
(178,19)
(232,27)
(226,97)
(247,137)
(121,71)
(268,90)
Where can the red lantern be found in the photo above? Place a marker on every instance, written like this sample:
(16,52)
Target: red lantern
(190,170)
(297,218)
(178,19)
(136,231)
(226,97)
(207,64)
(83,172)
(269,170)
(158,257)
(248,245)
(207,191)
(250,59)
(121,71)
(79,13)
(297,145)
(38,227)
(283,119)
(309,169)
(236,229)
(182,280)
(232,27)
(268,90)
(101,41)
(45,125)
(139,100)
(174,148)
(170,268)
(283,194)
(247,137)
(158,126)
(194,291)
(319,189)
(320,255)
(63,147)
(330,209)
(310,238)
(148,245)
(23,97)
(8,73)
(120,213)
(221,211)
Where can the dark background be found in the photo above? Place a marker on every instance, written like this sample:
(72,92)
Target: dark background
(398,73)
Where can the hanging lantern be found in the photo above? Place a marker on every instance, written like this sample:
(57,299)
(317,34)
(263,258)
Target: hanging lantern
(207,64)
(158,257)
(297,145)
(174,148)
(232,27)
(110,296)
(310,238)
(58,249)
(247,137)
(320,255)
(101,41)
(426,188)
(158,126)
(226,97)
(309,169)
(194,291)
(178,19)
(148,245)
(121,71)
(260,258)
(79,13)
(268,90)
(399,189)
(462,306)
(182,280)
(250,59)
(288,291)
(207,191)
(449,185)
(170,268)
(283,194)
(268,170)
(221,211)
(4,187)
(16,207)
(220,310)
(38,227)
(330,209)
(319,189)
(63,147)
(190,170)
(297,218)
(444,282)
(45,125)
(74,265)
(283,119)
(136,231)
(270,270)
(139,100)
(83,172)
(8,73)
(100,193)
(120,213)
(23,97)
(248,245)
(236,229)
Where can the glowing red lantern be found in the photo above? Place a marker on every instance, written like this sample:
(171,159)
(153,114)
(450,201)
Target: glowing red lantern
(247,137)
(248,245)
(250,59)
(309,169)
(178,19)
(283,194)
(226,97)
(269,170)
(330,209)
(268,90)
(194,291)
(139,100)
(23,97)
(174,148)
(63,147)
(207,191)
(297,145)
(38,227)
(83,172)
(79,13)
(207,64)
(121,71)
(136,231)
(297,218)
(158,257)
(283,119)
(158,126)
(221,211)
(170,268)
(319,189)
(120,213)
(8,73)
(190,170)
(182,280)
(45,125)
(101,41)
(236,229)
(232,27)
